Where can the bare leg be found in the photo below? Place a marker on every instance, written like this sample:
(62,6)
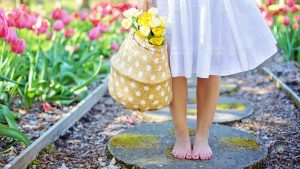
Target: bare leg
(182,147)
(208,90)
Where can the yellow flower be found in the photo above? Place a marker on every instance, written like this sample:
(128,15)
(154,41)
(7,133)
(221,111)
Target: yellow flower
(155,22)
(126,23)
(157,41)
(142,21)
(159,31)
(153,11)
(140,34)
(132,12)
(145,30)
(280,19)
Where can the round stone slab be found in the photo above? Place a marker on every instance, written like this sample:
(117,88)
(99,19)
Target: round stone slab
(225,87)
(232,148)
(228,111)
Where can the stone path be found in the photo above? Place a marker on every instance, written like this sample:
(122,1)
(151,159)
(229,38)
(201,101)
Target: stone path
(148,145)
(228,110)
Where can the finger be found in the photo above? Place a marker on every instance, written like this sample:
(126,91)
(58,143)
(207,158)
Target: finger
(144,6)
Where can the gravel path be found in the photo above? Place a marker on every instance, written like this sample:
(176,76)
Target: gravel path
(275,121)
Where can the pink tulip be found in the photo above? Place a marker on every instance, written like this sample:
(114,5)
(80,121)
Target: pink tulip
(32,19)
(69,32)
(58,13)
(83,15)
(3,24)
(286,21)
(94,33)
(268,17)
(41,26)
(11,36)
(297,18)
(58,25)
(294,9)
(18,47)
(114,47)
(290,3)
(18,18)
(66,19)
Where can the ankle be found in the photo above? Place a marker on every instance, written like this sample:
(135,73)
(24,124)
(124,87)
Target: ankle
(202,132)
(182,131)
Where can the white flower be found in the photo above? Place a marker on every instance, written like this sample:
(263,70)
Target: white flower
(145,30)
(132,12)
(126,23)
(163,21)
(153,11)
(155,22)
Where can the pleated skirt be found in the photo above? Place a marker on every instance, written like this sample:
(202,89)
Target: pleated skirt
(215,37)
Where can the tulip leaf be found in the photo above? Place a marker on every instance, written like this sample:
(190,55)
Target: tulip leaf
(14,133)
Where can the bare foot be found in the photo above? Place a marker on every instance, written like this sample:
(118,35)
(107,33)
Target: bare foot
(201,148)
(182,147)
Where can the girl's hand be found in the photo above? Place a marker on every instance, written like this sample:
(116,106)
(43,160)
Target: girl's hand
(145,4)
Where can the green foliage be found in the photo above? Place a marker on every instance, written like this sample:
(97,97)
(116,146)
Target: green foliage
(9,118)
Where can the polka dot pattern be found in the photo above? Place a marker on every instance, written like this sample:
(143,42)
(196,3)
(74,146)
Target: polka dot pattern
(137,96)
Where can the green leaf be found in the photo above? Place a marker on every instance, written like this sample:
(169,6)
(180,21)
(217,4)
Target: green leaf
(15,134)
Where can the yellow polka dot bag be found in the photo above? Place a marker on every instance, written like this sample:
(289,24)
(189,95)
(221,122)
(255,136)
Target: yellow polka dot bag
(140,77)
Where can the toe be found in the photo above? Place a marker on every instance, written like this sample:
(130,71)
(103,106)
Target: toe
(195,156)
(188,155)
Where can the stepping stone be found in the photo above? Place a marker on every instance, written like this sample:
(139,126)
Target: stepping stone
(225,87)
(149,146)
(229,110)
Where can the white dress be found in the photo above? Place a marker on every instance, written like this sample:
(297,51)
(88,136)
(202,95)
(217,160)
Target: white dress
(215,37)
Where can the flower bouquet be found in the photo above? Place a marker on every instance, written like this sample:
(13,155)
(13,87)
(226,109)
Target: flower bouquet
(140,77)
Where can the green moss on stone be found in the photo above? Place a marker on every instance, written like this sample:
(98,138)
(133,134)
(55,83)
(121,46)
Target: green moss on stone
(191,131)
(130,141)
(231,106)
(168,152)
(240,142)
(222,107)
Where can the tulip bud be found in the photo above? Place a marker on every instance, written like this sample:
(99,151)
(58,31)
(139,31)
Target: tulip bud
(18,47)
(11,36)
(69,32)
(94,33)
(296,27)
(114,47)
(286,21)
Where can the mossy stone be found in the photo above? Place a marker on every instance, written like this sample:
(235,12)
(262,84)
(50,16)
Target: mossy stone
(222,107)
(130,141)
(160,155)
(240,142)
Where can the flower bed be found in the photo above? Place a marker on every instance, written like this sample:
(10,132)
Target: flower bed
(48,64)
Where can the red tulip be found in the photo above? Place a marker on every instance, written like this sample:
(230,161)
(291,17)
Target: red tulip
(283,10)
(69,32)
(94,33)
(3,24)
(286,21)
(114,47)
(46,106)
(269,2)
(11,36)
(268,17)
(296,27)
(58,13)
(18,47)
(58,25)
